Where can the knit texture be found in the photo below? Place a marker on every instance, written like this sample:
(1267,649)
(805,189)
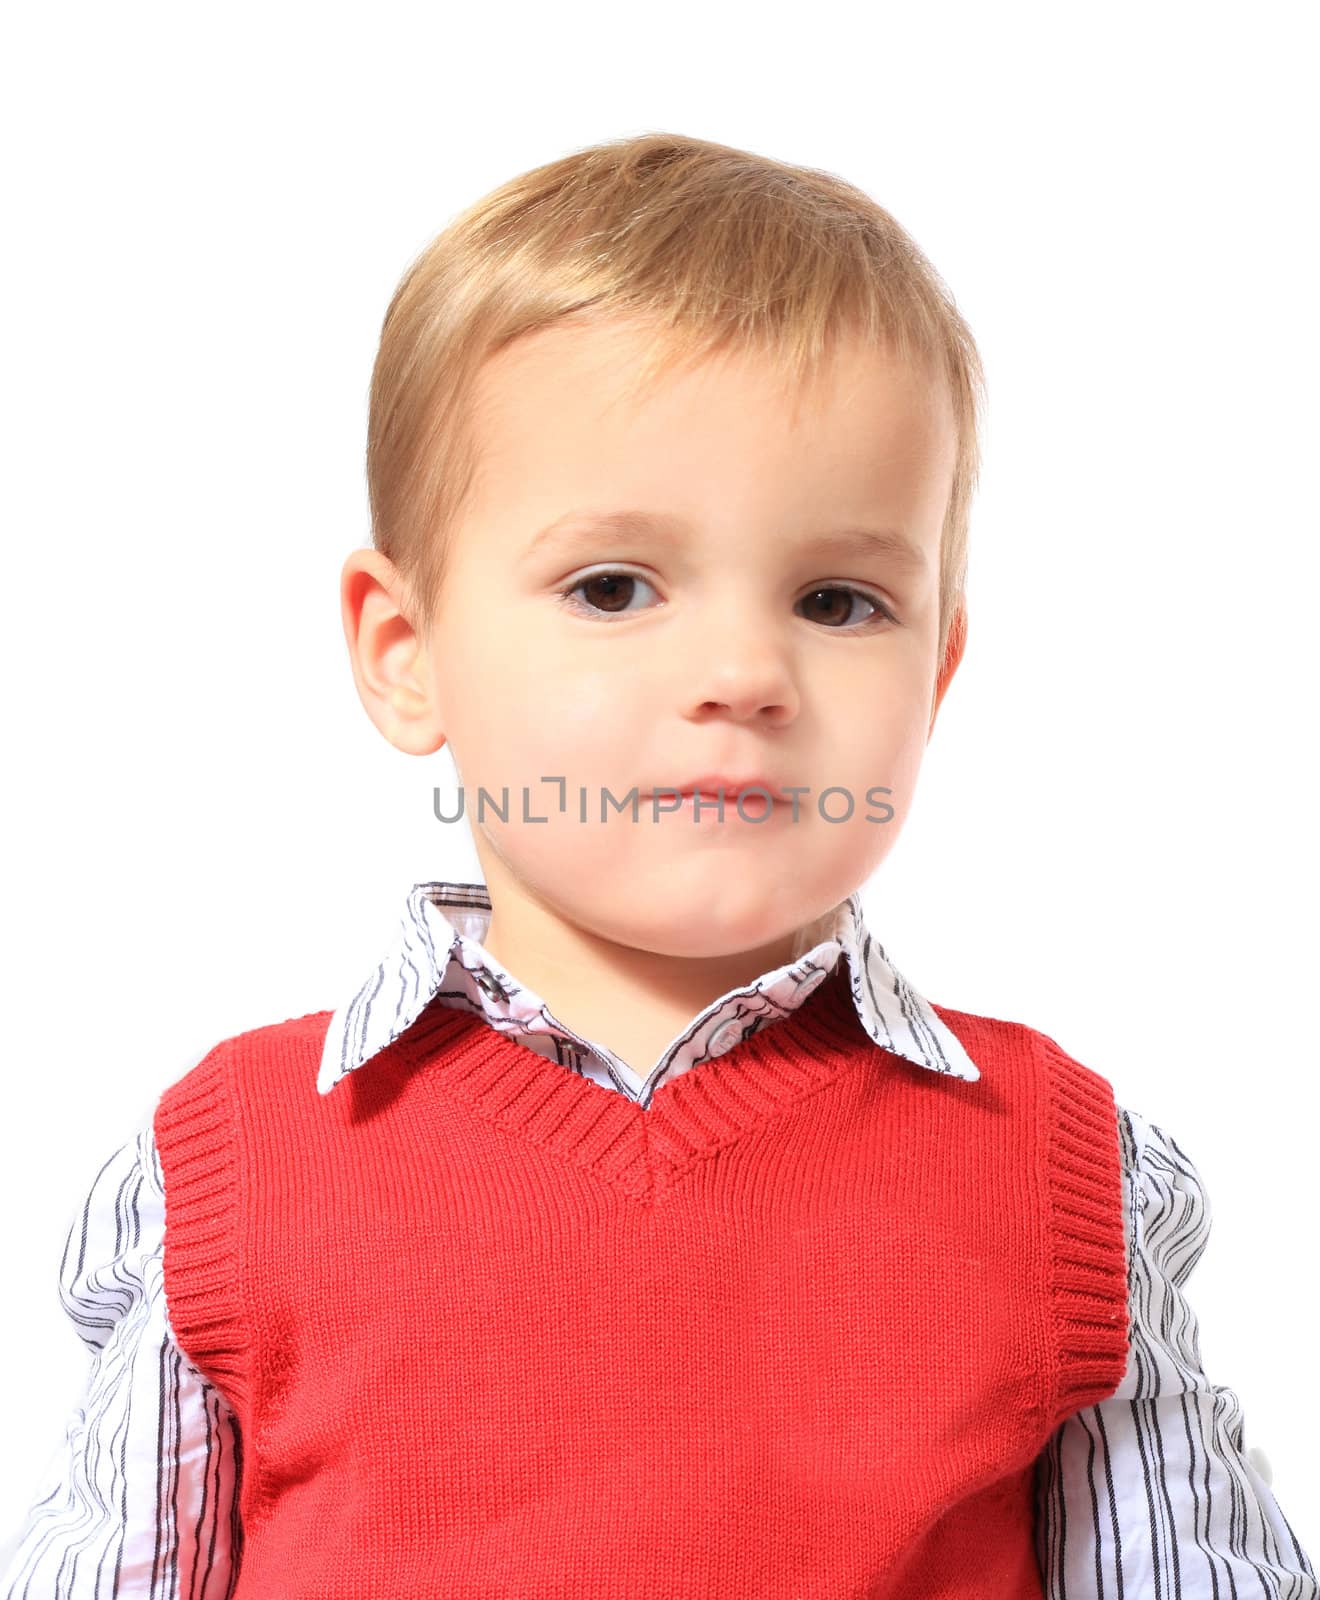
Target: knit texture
(798,1328)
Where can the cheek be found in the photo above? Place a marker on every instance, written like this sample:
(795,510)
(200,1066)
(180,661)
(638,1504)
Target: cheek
(577,719)
(883,749)
(536,719)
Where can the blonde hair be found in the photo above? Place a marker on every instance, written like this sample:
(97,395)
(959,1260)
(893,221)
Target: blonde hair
(711,248)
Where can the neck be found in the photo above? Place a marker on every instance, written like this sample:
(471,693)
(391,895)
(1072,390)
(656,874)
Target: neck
(633,1001)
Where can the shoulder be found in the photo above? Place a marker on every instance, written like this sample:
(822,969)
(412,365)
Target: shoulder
(269,1036)
(293,1038)
(115,1233)
(273,1061)
(1170,1204)
(980,1024)
(990,1040)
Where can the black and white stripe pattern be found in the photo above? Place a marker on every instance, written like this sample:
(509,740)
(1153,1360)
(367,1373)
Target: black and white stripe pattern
(438,954)
(140,1498)
(1150,1493)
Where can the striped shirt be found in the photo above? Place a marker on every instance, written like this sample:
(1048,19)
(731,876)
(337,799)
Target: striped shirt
(1151,1492)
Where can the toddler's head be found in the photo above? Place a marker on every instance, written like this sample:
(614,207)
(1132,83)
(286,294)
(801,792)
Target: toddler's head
(671,454)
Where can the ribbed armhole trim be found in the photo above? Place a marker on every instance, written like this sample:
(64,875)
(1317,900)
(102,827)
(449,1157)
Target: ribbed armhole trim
(1089,1279)
(195,1135)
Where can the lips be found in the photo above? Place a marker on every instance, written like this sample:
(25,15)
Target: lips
(712,784)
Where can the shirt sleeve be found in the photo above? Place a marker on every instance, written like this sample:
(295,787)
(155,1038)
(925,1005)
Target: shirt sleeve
(140,1499)
(1151,1492)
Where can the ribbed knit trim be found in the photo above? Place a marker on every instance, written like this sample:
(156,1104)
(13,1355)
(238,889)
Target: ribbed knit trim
(196,1136)
(1089,1274)
(642,1150)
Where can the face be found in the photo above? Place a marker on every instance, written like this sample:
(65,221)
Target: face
(737,633)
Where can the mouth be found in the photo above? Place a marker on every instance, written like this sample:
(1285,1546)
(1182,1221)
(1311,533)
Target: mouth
(709,803)
(713,788)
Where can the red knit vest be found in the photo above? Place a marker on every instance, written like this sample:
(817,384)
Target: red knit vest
(799,1328)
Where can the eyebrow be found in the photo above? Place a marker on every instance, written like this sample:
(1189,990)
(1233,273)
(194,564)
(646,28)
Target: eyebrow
(579,527)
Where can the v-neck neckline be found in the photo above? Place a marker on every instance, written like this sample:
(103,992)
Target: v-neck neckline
(642,1151)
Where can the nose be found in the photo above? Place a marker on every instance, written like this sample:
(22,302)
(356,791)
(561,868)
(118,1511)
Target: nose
(745,675)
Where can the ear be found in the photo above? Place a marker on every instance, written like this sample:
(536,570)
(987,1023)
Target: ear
(953,654)
(388,658)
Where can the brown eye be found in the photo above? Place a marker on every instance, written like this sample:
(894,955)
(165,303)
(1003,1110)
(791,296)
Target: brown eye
(604,594)
(607,593)
(833,606)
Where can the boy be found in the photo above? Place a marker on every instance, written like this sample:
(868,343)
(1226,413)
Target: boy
(636,1229)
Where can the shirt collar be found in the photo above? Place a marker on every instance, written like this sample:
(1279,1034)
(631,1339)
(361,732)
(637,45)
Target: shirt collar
(438,955)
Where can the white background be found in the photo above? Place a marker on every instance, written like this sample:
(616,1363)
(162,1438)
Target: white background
(207,212)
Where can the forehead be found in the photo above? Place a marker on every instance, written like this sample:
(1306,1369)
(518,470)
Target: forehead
(558,414)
